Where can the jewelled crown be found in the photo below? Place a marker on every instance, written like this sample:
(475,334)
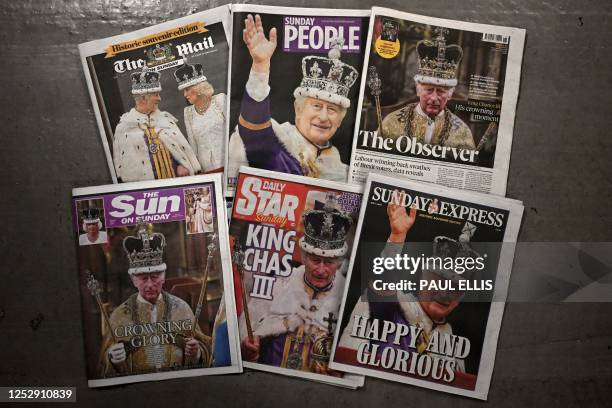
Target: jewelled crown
(146,81)
(327,78)
(325,230)
(188,75)
(90,215)
(145,251)
(445,247)
(437,61)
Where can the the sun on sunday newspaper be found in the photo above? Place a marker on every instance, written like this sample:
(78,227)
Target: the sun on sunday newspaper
(427,285)
(155,280)
(291,237)
(437,101)
(294,81)
(159,96)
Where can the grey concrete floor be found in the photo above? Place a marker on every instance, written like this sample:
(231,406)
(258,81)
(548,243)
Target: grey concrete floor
(548,355)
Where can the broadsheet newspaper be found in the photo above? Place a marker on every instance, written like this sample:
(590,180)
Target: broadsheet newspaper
(294,81)
(437,101)
(290,238)
(427,285)
(159,95)
(155,279)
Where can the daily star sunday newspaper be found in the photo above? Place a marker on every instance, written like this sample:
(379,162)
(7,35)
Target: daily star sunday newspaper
(290,238)
(293,89)
(155,280)
(159,96)
(410,318)
(437,101)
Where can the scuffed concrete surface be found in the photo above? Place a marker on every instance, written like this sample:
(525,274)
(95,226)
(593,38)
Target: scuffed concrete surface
(549,355)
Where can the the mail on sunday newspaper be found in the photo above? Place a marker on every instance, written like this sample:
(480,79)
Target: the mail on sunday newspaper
(155,280)
(291,237)
(427,285)
(294,82)
(159,96)
(437,101)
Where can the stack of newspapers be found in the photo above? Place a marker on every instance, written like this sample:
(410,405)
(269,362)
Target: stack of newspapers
(318,193)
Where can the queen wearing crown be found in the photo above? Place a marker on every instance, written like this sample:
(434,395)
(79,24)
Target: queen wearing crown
(204,117)
(429,120)
(320,105)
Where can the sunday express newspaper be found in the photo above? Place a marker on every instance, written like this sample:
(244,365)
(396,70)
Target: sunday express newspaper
(437,101)
(445,256)
(159,95)
(290,237)
(155,279)
(293,89)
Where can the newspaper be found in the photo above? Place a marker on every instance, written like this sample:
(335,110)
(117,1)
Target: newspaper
(437,101)
(427,285)
(294,84)
(159,96)
(290,238)
(155,280)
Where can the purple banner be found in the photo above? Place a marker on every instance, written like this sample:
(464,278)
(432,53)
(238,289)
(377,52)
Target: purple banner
(315,34)
(151,206)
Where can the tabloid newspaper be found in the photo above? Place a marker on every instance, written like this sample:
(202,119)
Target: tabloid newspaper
(293,89)
(155,280)
(290,238)
(427,285)
(159,96)
(437,101)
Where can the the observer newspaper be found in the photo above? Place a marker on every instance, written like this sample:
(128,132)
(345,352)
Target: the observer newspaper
(294,75)
(291,237)
(155,280)
(437,101)
(427,285)
(159,96)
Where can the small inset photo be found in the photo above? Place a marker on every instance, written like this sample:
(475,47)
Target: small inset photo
(92,230)
(199,211)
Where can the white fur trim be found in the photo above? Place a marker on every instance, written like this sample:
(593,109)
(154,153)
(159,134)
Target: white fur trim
(329,164)
(147,90)
(323,95)
(147,269)
(257,85)
(130,153)
(421,79)
(293,301)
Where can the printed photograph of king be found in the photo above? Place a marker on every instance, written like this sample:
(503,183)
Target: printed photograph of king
(289,271)
(153,295)
(434,86)
(290,108)
(295,328)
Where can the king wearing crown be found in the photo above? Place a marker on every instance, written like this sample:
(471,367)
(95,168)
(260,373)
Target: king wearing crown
(147,143)
(429,120)
(296,330)
(152,330)
(427,309)
(320,105)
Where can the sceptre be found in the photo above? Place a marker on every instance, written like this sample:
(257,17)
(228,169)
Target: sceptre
(238,259)
(94,288)
(375,85)
(212,247)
